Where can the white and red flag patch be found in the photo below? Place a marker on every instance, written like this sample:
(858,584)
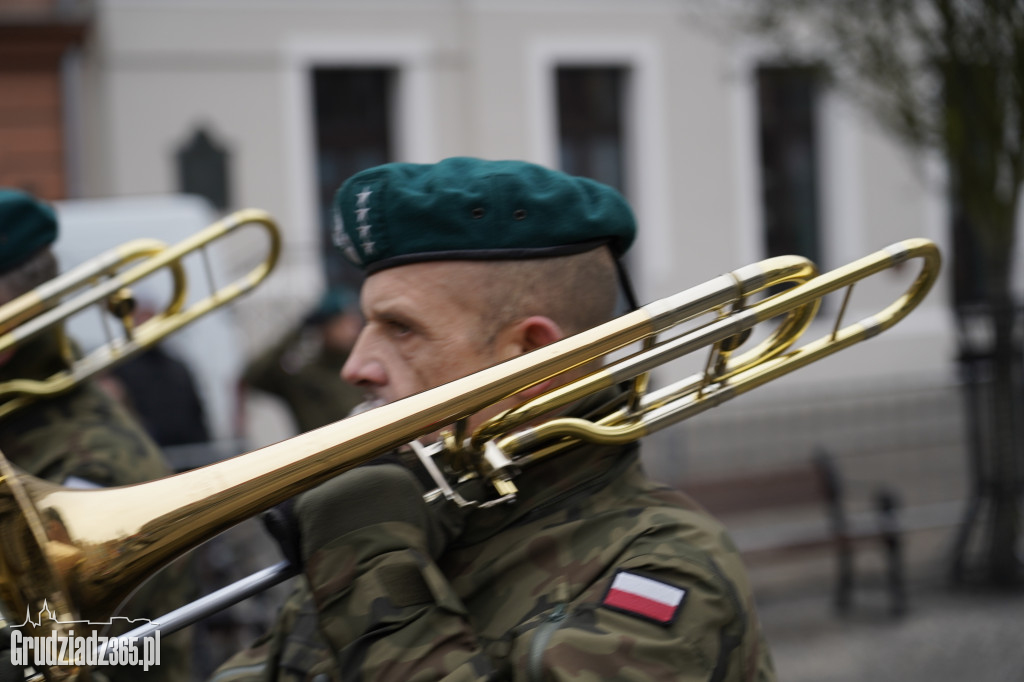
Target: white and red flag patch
(645,597)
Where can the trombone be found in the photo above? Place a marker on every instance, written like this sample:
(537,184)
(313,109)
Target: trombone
(104,281)
(87,549)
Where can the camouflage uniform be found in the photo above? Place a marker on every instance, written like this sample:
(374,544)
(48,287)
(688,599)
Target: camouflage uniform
(521,594)
(306,375)
(85,434)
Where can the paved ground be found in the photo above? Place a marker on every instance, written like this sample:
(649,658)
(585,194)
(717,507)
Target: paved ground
(966,635)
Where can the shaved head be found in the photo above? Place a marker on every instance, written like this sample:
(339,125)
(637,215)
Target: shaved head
(577,292)
(39,269)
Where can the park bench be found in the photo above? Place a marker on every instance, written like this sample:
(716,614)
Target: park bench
(809,504)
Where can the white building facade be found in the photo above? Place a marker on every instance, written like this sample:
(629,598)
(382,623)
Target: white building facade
(483,78)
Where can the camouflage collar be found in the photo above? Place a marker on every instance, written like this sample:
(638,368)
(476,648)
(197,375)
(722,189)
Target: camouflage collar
(556,484)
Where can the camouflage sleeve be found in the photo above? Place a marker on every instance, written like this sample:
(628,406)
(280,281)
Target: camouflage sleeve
(390,613)
(386,609)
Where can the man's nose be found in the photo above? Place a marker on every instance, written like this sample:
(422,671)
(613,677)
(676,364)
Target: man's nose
(362,368)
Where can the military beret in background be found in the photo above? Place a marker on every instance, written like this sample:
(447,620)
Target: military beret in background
(27,225)
(464,208)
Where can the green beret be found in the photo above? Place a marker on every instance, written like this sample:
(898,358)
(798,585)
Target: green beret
(469,209)
(26,227)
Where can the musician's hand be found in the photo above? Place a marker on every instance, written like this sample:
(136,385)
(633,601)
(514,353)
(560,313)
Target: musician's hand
(371,495)
(282,525)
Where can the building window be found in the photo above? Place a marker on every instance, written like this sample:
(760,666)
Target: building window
(590,123)
(591,129)
(353,110)
(787,100)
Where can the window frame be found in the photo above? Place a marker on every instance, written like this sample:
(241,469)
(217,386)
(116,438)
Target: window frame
(408,55)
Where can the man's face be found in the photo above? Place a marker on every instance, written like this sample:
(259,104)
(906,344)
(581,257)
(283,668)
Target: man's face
(421,330)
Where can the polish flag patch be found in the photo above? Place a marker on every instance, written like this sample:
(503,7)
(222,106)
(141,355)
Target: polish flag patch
(644,597)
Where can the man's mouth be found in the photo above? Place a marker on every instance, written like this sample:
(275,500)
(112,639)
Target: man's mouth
(366,405)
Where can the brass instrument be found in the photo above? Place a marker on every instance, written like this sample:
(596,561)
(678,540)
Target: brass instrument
(104,281)
(86,549)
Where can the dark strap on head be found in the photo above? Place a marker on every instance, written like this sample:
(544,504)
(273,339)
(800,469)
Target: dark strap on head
(627,284)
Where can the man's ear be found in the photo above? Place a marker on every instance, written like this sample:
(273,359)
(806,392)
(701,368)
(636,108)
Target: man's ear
(535,332)
(530,334)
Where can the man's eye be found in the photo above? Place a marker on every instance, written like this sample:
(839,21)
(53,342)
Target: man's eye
(397,328)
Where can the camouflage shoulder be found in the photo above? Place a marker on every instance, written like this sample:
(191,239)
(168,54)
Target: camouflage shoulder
(691,584)
(695,560)
(653,615)
(108,446)
(85,434)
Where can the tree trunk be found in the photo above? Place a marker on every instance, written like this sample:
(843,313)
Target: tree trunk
(1004,566)
(997,399)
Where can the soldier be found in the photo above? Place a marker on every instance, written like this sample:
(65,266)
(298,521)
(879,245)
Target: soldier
(302,368)
(594,572)
(159,390)
(81,437)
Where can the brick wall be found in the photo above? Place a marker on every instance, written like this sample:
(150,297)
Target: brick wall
(34,36)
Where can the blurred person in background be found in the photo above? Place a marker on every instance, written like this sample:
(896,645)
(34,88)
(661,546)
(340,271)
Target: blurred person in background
(159,389)
(594,571)
(303,367)
(82,437)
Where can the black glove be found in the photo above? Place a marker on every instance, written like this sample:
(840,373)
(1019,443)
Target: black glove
(282,525)
(371,495)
